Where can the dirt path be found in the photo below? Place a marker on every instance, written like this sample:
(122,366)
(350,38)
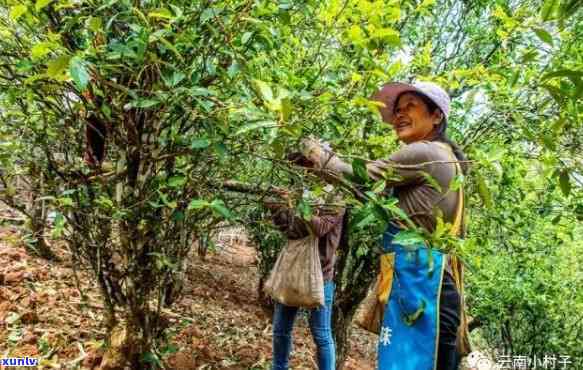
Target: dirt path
(218,323)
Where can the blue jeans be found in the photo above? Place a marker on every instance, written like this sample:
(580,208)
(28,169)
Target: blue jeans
(320,326)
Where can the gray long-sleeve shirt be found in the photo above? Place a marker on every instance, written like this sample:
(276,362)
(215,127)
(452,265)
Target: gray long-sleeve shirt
(413,172)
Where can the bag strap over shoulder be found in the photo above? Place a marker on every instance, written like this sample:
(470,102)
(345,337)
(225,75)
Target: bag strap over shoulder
(456,228)
(463,344)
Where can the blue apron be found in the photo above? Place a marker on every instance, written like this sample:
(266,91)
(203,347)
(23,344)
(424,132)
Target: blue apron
(410,327)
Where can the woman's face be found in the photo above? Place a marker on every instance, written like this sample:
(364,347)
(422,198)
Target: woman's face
(413,121)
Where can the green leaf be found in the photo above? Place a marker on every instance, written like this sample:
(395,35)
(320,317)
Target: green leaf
(58,225)
(198,204)
(379,186)
(41,49)
(556,93)
(368,218)
(359,170)
(161,14)
(558,126)
(233,69)
(41,4)
(565,183)
(256,125)
(411,318)
(286,109)
(549,9)
(408,237)
(208,14)
(104,201)
(388,35)
(178,216)
(544,36)
(65,201)
(305,210)
(219,207)
(57,67)
(456,183)
(246,36)
(79,73)
(177,181)
(221,149)
(200,91)
(484,192)
(200,143)
(431,181)
(563,73)
(174,79)
(144,103)
(263,89)
(529,56)
(95,24)
(18,11)
(381,212)
(172,48)
(549,141)
(356,35)
(151,358)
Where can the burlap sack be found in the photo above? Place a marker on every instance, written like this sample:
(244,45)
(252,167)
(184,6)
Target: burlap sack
(370,312)
(296,278)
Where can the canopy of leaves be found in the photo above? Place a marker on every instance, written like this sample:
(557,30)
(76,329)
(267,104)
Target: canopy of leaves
(197,92)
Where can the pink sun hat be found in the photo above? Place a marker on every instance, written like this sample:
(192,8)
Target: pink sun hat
(389,93)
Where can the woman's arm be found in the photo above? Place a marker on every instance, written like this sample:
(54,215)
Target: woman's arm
(406,166)
(295,227)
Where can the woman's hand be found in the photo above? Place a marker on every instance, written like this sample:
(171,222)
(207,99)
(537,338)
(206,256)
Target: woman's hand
(317,152)
(323,157)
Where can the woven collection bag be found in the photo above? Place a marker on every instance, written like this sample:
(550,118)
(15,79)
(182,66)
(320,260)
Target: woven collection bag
(296,278)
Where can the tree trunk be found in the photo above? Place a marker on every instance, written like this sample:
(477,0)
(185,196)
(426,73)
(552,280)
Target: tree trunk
(38,218)
(342,328)
(39,245)
(264,300)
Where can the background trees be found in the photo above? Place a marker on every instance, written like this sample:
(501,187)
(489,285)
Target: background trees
(186,95)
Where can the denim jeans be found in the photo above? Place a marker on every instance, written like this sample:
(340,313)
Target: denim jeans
(320,326)
(449,320)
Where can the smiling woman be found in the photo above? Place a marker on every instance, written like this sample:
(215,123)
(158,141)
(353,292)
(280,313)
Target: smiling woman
(423,321)
(415,120)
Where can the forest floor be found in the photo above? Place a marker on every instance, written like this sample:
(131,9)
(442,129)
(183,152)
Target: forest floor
(217,324)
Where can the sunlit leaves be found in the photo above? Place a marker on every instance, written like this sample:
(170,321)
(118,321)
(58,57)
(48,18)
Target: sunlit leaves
(549,9)
(41,49)
(95,24)
(58,67)
(17,11)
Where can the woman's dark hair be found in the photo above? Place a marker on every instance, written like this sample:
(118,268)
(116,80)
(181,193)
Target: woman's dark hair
(441,130)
